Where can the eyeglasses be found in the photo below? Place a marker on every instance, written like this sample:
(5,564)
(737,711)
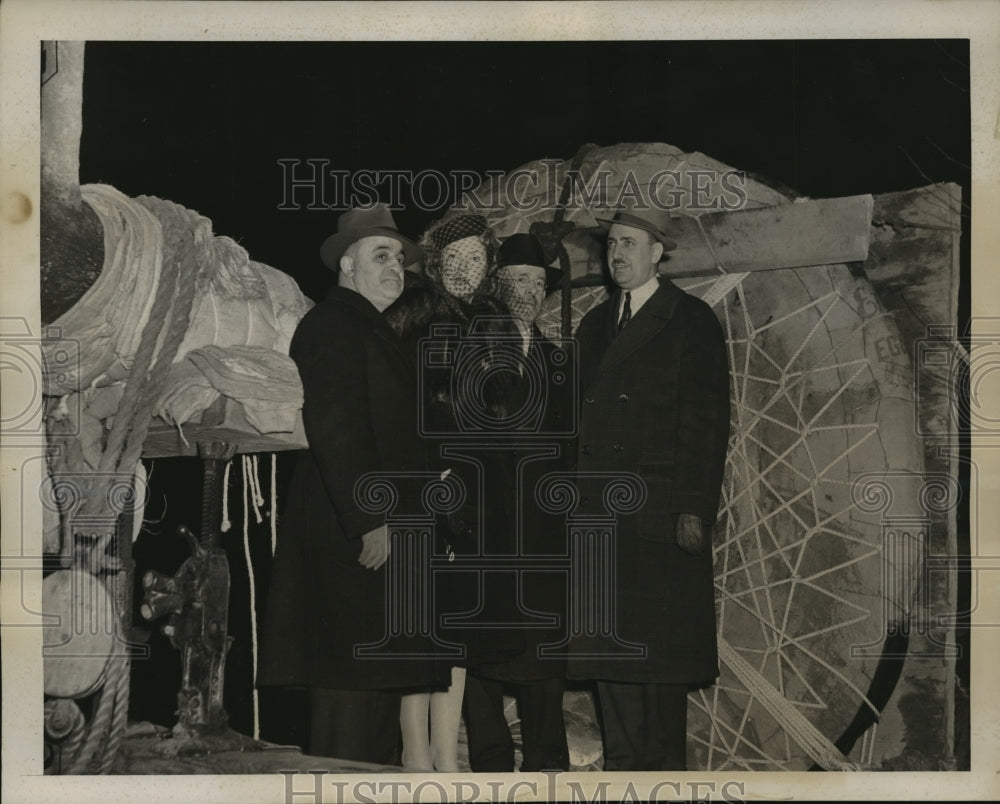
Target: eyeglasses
(525,283)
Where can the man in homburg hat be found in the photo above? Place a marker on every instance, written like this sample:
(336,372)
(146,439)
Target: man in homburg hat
(538,680)
(328,591)
(654,382)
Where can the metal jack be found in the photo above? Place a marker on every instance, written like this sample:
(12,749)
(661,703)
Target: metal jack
(197,602)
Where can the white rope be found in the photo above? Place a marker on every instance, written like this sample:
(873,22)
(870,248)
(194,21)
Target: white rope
(255,495)
(718,744)
(215,314)
(253,595)
(139,481)
(809,738)
(704,235)
(258,495)
(721,287)
(869,757)
(226,523)
(274,502)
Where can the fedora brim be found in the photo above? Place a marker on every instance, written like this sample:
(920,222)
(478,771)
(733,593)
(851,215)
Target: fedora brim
(666,242)
(553,276)
(335,245)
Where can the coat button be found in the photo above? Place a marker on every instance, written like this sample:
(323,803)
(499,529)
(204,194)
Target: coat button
(623,397)
(585,449)
(589,400)
(617,447)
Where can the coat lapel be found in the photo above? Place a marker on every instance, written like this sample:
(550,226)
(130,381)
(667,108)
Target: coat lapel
(394,345)
(535,342)
(379,326)
(652,317)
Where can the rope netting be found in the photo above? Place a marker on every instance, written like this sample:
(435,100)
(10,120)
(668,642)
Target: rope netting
(784,549)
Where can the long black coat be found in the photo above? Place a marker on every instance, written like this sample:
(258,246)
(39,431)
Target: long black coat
(359,417)
(542,446)
(655,403)
(458,406)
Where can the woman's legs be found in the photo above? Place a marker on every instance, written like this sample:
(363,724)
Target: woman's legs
(440,752)
(446,714)
(413,712)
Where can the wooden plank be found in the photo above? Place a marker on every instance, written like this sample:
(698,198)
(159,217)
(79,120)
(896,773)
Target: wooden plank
(225,422)
(914,267)
(913,261)
(149,749)
(822,232)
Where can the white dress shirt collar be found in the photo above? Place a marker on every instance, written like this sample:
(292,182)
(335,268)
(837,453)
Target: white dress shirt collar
(640,295)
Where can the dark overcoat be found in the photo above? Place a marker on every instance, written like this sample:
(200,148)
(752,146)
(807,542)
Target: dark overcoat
(473,609)
(655,402)
(542,446)
(359,418)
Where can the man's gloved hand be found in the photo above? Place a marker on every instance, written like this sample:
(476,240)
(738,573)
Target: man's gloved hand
(375,549)
(692,535)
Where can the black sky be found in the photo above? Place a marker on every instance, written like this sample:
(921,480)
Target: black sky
(204,124)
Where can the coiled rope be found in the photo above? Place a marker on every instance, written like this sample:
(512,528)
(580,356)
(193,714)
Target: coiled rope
(107,725)
(188,239)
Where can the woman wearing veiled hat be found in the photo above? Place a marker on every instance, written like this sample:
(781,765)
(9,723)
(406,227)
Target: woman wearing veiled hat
(453,311)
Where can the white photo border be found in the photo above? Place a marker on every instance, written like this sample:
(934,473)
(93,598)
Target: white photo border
(24,23)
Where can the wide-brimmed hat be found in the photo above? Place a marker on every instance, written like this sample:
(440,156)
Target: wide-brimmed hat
(523,248)
(358,223)
(654,221)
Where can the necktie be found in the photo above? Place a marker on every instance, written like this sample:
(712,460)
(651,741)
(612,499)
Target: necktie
(626,312)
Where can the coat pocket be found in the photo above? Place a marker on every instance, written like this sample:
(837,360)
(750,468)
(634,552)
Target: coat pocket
(655,520)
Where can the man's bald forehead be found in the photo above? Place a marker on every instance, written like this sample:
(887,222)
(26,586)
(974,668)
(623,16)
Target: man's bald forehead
(373,242)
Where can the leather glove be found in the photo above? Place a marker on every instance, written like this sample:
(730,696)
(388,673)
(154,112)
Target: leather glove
(692,535)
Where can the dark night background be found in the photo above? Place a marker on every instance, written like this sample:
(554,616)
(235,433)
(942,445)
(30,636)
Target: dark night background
(204,125)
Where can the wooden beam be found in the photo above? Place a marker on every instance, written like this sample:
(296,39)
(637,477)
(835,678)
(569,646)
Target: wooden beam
(224,421)
(823,232)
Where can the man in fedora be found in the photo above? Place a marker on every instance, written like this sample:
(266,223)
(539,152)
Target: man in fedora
(654,382)
(328,588)
(523,280)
